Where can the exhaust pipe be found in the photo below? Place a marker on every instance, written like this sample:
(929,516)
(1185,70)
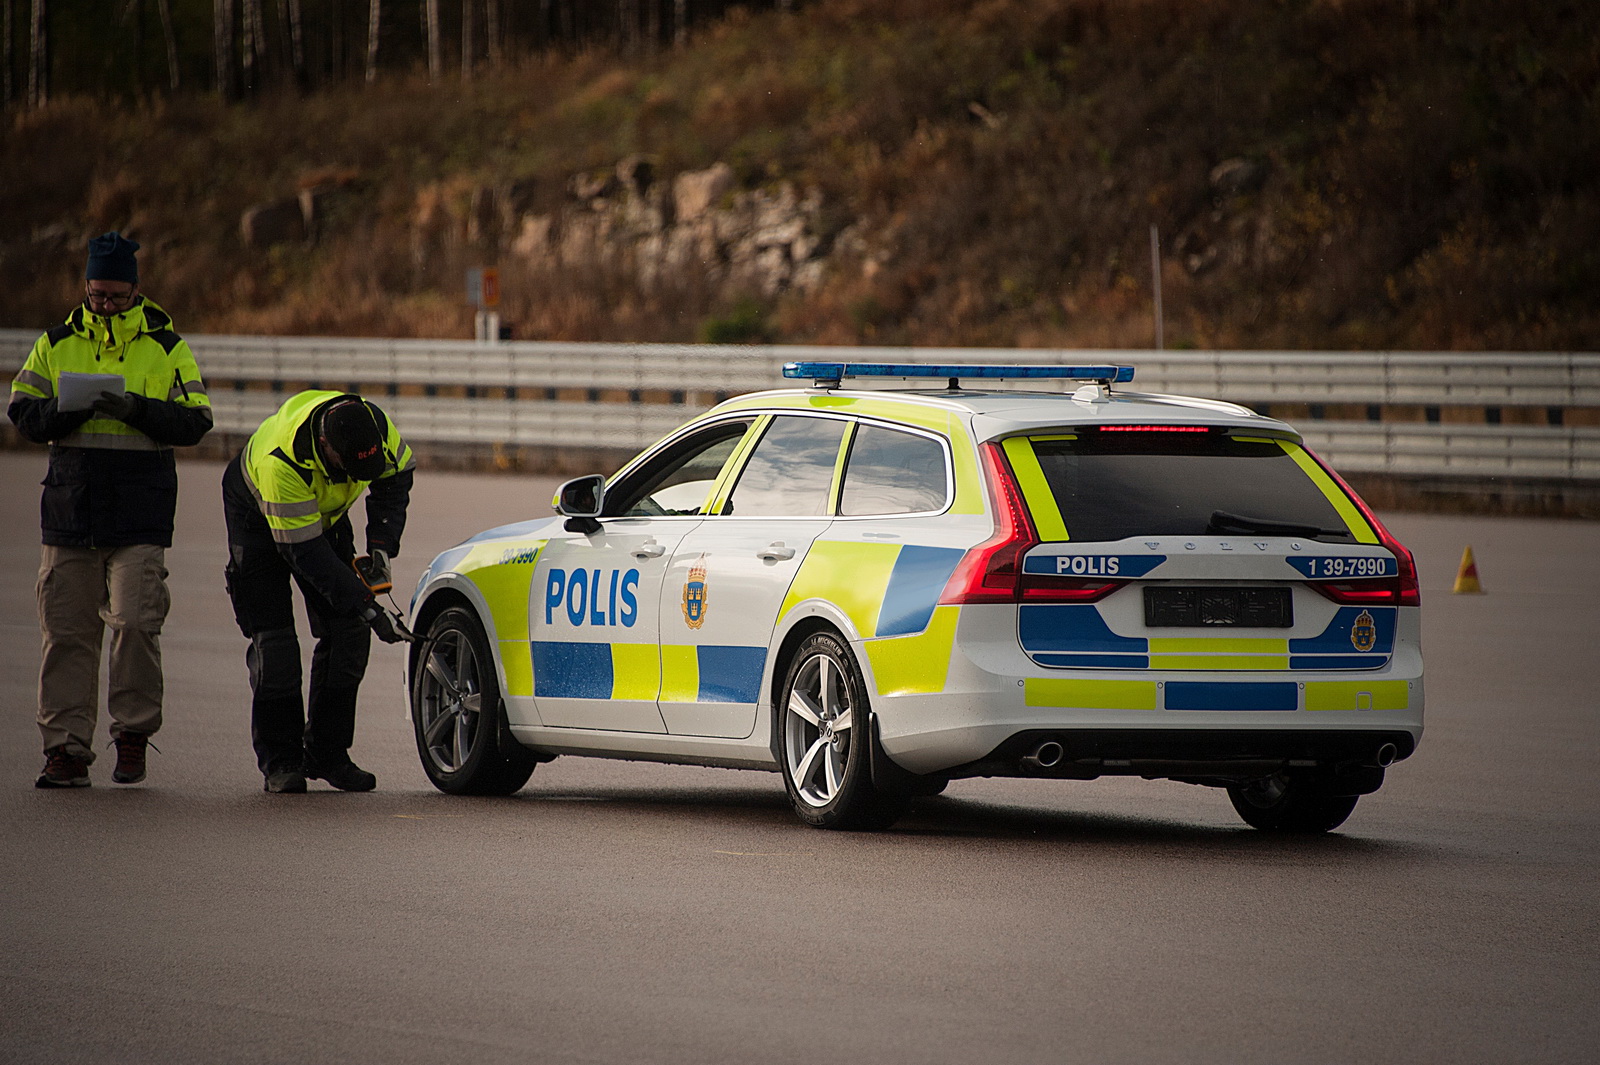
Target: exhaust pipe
(1385,756)
(1045,756)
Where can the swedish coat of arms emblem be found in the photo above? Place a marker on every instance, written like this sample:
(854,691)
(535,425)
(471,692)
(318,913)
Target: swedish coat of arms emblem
(1364,633)
(694,594)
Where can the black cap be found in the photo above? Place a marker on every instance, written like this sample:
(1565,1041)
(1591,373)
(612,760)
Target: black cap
(111,258)
(350,429)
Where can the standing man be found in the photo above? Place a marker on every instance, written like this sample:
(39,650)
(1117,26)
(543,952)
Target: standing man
(286,498)
(107,510)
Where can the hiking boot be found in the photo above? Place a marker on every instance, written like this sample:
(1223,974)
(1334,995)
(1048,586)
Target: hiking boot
(346,777)
(285,782)
(130,757)
(63,770)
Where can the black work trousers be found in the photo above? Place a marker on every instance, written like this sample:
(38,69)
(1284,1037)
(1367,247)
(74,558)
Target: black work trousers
(290,733)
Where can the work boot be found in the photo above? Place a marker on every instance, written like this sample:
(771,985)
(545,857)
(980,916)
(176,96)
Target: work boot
(285,782)
(130,757)
(346,776)
(63,770)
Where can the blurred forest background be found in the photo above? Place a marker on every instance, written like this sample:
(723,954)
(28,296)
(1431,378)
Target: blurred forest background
(1363,174)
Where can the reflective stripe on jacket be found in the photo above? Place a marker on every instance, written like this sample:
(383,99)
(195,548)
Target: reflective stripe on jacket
(298,495)
(112,482)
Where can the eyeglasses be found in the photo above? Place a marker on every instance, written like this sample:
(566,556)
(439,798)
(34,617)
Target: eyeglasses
(113,299)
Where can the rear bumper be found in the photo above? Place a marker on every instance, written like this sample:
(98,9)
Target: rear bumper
(1199,756)
(995,706)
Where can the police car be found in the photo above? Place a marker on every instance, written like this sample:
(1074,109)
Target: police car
(874,591)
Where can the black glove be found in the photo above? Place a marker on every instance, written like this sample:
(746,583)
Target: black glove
(382,623)
(374,571)
(118,405)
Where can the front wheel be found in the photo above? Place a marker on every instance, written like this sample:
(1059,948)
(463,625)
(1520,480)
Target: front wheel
(1285,803)
(456,712)
(826,740)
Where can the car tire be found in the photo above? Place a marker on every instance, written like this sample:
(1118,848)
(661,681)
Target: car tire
(457,714)
(826,741)
(1285,803)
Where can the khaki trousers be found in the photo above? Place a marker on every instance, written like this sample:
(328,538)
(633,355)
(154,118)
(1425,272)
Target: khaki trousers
(82,591)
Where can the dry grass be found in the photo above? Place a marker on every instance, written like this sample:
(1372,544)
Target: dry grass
(1423,177)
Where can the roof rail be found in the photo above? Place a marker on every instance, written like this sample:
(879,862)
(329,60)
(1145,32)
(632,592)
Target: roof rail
(829,374)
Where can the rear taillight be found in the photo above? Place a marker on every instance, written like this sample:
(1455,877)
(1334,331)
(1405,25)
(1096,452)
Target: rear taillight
(1383,591)
(1400,590)
(991,572)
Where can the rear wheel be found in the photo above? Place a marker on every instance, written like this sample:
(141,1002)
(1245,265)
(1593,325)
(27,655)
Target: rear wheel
(827,742)
(456,712)
(1288,803)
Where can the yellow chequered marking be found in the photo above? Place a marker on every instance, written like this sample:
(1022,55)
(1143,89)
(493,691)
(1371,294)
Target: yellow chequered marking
(504,583)
(851,576)
(635,671)
(1358,695)
(1205,645)
(518,664)
(680,673)
(1219,661)
(1203,652)
(1035,489)
(1091,694)
(902,665)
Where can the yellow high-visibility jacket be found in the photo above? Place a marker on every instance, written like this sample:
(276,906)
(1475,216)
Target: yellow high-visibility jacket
(112,482)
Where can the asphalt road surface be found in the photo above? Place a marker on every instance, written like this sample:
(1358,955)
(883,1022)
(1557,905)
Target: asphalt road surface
(623,912)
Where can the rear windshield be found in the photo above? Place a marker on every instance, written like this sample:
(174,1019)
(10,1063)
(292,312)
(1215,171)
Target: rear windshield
(1112,485)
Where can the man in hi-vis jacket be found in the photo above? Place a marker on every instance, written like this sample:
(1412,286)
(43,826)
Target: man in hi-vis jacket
(112,391)
(286,498)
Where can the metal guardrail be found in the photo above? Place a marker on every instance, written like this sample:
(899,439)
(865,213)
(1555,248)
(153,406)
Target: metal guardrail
(521,394)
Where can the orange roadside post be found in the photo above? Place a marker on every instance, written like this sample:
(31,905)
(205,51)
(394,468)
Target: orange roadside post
(1467,576)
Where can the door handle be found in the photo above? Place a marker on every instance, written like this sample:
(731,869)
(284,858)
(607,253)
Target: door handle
(775,552)
(648,550)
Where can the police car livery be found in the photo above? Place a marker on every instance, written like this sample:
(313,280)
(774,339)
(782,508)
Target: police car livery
(876,591)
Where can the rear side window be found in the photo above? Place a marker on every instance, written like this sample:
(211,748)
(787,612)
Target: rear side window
(1113,485)
(791,470)
(890,472)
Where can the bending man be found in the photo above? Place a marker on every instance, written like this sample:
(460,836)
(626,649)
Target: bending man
(286,498)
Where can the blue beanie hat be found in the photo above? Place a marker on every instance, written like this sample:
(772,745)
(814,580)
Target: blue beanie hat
(111,259)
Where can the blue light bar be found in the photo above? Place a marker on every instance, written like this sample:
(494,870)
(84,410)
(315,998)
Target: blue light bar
(831,373)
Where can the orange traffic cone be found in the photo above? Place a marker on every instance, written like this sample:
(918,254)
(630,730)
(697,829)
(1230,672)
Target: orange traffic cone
(1467,576)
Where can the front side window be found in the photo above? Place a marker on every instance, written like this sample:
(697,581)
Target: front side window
(677,481)
(1110,485)
(790,472)
(892,472)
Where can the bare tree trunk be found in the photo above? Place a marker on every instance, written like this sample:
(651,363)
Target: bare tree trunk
(680,18)
(435,46)
(374,15)
(254,45)
(466,40)
(297,48)
(222,42)
(5,53)
(165,7)
(133,13)
(289,43)
(38,57)
(491,18)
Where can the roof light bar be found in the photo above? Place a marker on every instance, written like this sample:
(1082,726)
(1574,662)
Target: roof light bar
(829,374)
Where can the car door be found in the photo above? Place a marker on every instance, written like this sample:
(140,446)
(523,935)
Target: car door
(730,573)
(594,601)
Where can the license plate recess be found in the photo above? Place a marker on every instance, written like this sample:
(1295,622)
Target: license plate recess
(1196,608)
